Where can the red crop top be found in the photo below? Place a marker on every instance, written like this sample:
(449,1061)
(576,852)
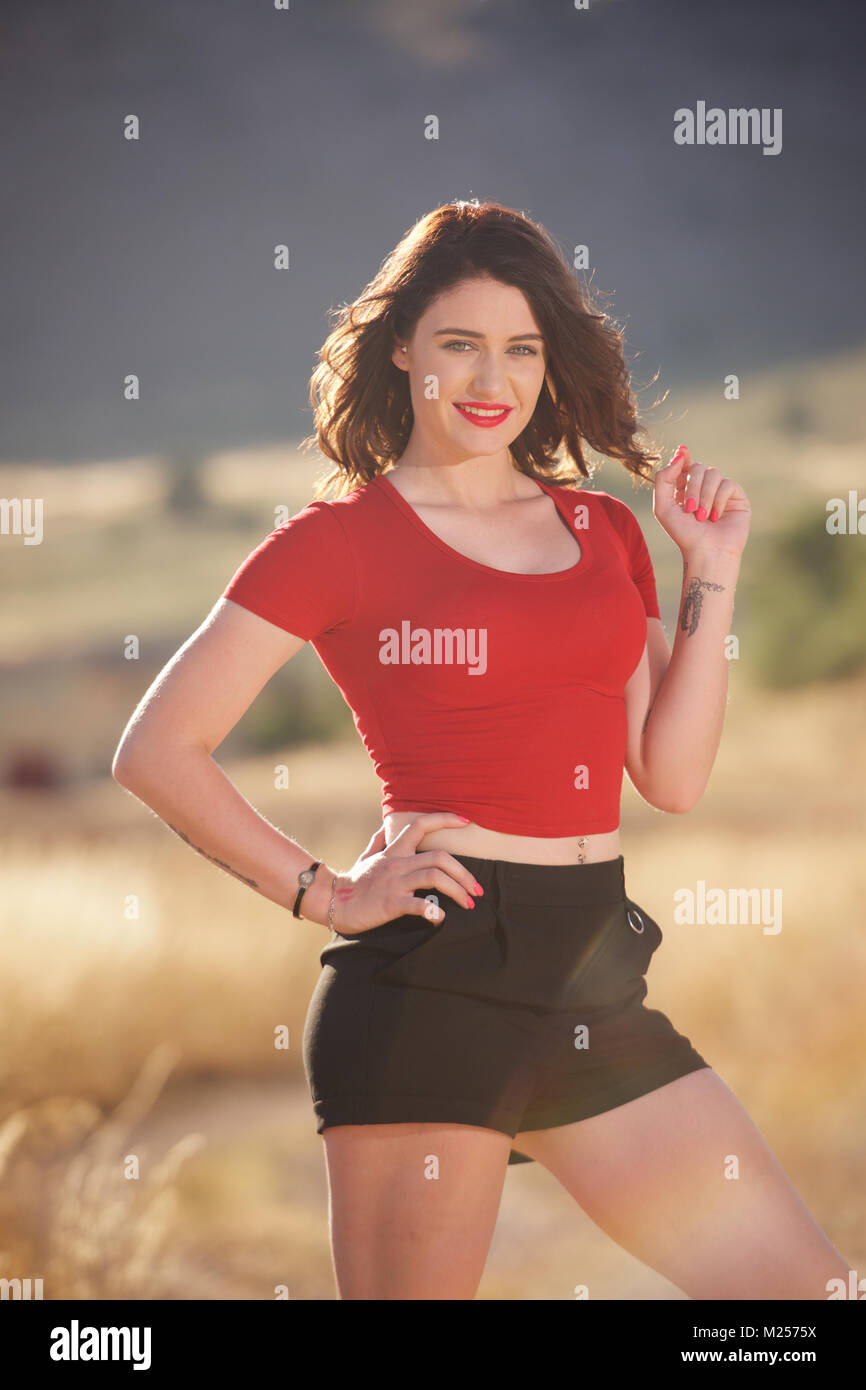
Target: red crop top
(495,695)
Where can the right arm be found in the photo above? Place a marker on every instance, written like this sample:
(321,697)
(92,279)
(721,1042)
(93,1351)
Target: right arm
(165,759)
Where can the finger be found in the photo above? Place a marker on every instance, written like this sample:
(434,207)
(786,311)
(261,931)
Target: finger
(690,496)
(673,476)
(708,487)
(725,491)
(413,833)
(440,859)
(421,907)
(374,845)
(439,881)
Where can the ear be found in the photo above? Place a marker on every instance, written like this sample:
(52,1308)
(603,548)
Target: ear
(399,357)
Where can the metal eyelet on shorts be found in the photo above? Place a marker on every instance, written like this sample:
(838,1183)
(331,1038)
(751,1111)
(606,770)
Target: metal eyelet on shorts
(640,930)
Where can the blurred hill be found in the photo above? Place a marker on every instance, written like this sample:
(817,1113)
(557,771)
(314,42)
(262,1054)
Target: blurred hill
(305,127)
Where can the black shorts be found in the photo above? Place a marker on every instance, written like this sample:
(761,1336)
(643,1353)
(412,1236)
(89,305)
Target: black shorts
(524,1012)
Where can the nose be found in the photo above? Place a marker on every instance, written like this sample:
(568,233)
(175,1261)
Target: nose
(488,378)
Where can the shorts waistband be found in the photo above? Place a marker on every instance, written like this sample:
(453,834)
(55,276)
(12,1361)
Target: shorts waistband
(560,885)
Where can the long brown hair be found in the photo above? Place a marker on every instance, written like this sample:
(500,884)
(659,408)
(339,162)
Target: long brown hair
(362,409)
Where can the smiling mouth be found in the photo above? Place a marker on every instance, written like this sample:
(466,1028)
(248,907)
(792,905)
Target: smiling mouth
(484,416)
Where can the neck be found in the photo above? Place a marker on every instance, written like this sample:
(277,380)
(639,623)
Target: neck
(476,482)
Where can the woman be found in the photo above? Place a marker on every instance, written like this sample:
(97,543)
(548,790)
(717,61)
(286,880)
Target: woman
(496,632)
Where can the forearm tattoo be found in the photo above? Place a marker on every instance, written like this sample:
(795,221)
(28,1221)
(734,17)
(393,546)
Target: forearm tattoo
(693,603)
(213,859)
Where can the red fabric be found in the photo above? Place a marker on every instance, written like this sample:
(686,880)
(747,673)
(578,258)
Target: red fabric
(495,695)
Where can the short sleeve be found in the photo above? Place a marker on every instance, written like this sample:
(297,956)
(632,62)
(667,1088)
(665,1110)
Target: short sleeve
(301,577)
(628,528)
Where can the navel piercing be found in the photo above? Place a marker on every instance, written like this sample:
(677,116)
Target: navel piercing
(581,858)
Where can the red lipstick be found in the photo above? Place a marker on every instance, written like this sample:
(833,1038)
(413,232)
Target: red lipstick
(493,414)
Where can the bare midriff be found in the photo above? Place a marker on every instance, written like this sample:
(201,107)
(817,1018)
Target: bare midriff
(480,843)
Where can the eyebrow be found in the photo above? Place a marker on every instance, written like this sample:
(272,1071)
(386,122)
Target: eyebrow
(467,333)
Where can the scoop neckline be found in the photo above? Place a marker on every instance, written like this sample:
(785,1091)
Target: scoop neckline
(411,515)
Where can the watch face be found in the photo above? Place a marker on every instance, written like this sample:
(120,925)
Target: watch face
(306,877)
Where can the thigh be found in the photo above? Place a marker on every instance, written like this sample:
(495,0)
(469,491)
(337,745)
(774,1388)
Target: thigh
(412,1207)
(683,1180)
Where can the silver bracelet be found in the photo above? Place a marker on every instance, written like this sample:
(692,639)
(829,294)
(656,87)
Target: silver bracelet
(331,904)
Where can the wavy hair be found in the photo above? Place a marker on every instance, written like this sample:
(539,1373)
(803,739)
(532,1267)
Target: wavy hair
(362,408)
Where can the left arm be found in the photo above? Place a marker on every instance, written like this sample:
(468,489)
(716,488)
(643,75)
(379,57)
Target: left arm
(675,701)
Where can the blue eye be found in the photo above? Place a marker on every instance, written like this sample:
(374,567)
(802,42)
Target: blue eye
(462,342)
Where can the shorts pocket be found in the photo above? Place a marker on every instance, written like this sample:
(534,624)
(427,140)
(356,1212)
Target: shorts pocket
(443,956)
(639,921)
(386,943)
(616,968)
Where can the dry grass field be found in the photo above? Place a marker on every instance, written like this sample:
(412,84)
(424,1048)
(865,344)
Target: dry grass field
(154,1143)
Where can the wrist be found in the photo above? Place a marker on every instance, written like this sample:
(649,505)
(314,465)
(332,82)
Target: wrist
(707,564)
(317,898)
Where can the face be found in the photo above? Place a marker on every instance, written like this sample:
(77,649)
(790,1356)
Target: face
(476,365)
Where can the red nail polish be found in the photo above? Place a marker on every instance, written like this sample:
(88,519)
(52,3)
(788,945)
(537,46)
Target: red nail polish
(469,902)
(478,889)
(701,514)
(714,516)
(691,504)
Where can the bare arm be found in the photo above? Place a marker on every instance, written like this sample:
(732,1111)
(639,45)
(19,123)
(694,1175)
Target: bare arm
(676,714)
(164,757)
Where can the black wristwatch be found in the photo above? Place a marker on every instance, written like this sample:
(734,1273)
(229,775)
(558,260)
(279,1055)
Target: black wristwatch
(305,879)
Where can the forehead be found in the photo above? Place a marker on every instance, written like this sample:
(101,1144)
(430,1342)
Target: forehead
(483,304)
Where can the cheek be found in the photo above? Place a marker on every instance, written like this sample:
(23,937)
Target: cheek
(438,384)
(533,383)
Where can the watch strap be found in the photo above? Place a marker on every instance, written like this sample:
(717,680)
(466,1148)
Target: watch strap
(305,878)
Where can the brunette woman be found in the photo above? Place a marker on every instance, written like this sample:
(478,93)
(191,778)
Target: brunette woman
(494,627)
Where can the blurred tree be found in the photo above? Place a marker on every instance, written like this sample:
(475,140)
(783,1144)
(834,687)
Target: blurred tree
(300,703)
(795,415)
(185,495)
(807,603)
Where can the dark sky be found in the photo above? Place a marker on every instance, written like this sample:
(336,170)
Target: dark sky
(262,126)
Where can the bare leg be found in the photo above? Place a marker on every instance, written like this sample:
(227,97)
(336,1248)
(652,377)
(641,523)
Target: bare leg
(413,1207)
(657,1175)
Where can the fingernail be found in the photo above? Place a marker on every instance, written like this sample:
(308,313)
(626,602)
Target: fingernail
(478,889)
(464,818)
(691,504)
(714,516)
(701,514)
(676,453)
(469,902)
